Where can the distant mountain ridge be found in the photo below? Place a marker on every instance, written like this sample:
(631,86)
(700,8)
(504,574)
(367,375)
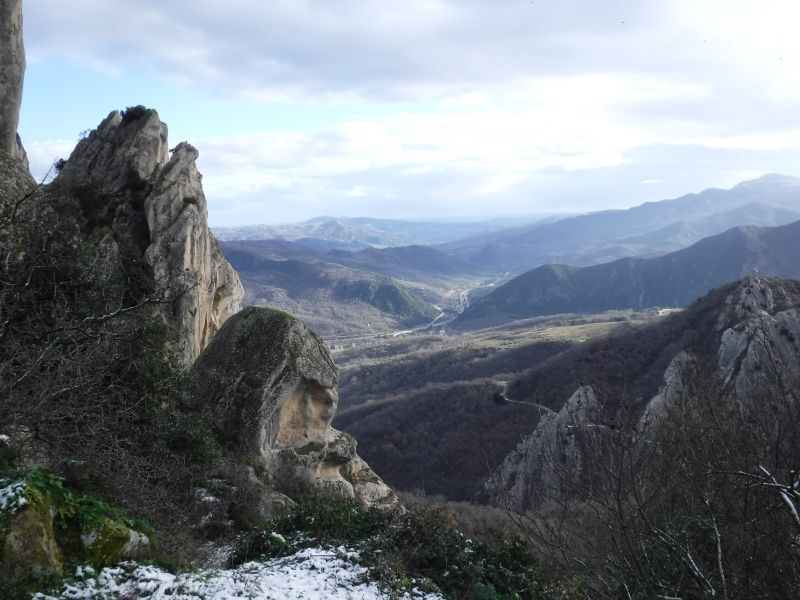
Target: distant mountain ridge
(357,233)
(403,261)
(651,228)
(674,279)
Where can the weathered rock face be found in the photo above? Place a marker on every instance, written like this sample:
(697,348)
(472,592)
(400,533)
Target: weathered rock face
(758,356)
(269,385)
(155,208)
(547,464)
(12,74)
(760,344)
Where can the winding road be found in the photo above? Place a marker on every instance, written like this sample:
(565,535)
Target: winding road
(504,396)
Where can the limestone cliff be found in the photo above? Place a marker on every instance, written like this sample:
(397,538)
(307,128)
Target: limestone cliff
(155,209)
(268,384)
(756,351)
(12,73)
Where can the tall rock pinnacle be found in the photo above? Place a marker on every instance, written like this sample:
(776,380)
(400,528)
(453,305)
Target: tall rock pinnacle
(155,209)
(12,74)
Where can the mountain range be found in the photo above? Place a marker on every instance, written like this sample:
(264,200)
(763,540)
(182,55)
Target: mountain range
(323,233)
(651,228)
(672,280)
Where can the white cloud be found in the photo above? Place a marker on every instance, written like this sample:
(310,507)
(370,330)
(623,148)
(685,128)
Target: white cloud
(42,154)
(496,101)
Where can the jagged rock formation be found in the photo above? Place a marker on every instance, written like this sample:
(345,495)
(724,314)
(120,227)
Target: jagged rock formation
(269,386)
(760,342)
(12,74)
(757,354)
(549,461)
(15,180)
(154,207)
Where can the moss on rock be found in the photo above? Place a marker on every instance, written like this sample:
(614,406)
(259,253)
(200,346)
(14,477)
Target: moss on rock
(106,543)
(28,542)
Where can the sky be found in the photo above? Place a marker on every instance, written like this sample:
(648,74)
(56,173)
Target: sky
(428,109)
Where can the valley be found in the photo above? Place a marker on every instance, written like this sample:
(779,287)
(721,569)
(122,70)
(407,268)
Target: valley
(555,355)
(425,407)
(447,360)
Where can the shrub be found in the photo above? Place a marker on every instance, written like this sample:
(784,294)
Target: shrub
(133,113)
(418,548)
(85,373)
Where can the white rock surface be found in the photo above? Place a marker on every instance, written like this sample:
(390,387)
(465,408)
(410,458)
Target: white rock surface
(550,461)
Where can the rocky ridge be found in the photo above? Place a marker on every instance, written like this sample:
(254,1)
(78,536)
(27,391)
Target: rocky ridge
(758,333)
(154,207)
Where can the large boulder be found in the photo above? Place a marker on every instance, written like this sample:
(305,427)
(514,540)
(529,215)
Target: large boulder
(12,74)
(155,209)
(28,548)
(269,386)
(110,542)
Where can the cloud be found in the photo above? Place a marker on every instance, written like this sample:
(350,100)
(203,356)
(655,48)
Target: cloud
(490,104)
(480,162)
(315,49)
(43,154)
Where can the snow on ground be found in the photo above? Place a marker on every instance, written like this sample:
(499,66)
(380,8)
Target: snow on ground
(310,574)
(12,495)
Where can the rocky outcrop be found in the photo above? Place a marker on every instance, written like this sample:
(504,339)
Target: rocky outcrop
(12,74)
(110,542)
(28,548)
(756,354)
(155,209)
(760,342)
(269,386)
(549,464)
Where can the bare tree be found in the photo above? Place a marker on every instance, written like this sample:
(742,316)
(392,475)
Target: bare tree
(702,503)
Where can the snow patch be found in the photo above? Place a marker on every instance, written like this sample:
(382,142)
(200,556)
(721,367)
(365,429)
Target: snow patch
(12,495)
(310,574)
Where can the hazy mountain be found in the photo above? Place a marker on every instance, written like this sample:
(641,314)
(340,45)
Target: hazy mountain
(360,232)
(404,261)
(333,299)
(607,235)
(674,279)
